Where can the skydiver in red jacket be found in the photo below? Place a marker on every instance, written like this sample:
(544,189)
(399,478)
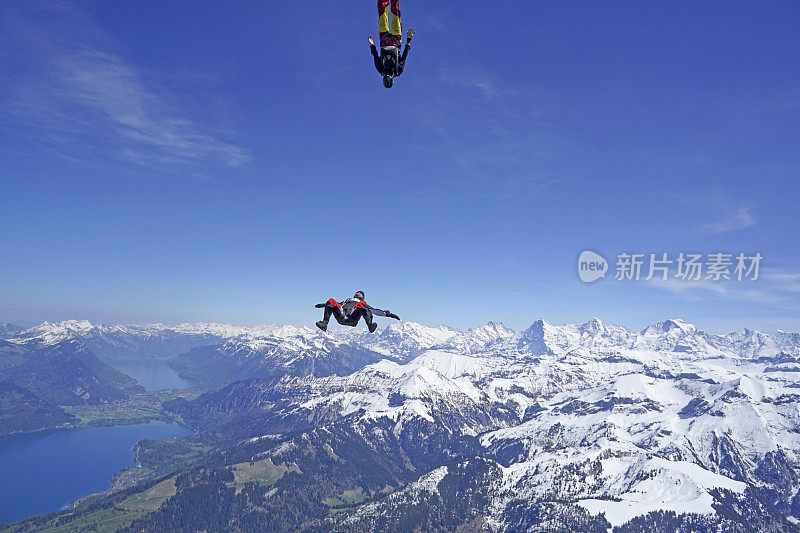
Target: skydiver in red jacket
(350,311)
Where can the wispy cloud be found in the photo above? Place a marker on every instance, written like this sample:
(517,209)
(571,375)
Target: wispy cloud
(696,289)
(81,98)
(470,79)
(494,131)
(777,287)
(788,281)
(739,218)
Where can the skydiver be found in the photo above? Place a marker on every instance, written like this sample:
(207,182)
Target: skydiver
(348,312)
(390,63)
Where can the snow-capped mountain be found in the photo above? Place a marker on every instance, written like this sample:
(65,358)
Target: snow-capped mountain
(272,351)
(756,344)
(404,340)
(478,340)
(48,333)
(130,342)
(611,425)
(400,341)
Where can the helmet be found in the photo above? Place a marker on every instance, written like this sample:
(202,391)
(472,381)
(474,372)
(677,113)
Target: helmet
(359,295)
(388,81)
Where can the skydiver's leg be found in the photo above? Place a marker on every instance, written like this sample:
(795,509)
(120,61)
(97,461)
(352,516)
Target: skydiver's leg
(397,26)
(367,314)
(390,36)
(332,307)
(351,321)
(383,22)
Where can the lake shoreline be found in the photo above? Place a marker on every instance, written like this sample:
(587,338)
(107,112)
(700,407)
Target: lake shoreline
(100,427)
(152,374)
(139,409)
(80,463)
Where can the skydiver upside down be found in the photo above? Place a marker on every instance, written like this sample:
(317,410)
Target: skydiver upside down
(350,311)
(390,63)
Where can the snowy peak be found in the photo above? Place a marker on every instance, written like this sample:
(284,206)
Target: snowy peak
(404,340)
(287,339)
(200,328)
(754,344)
(49,333)
(492,328)
(540,326)
(423,335)
(669,327)
(491,336)
(541,338)
(545,338)
(593,326)
(677,336)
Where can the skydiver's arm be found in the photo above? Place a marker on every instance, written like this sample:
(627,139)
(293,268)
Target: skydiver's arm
(401,64)
(381,312)
(376,58)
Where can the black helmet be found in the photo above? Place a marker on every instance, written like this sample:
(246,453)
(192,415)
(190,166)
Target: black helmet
(359,295)
(388,81)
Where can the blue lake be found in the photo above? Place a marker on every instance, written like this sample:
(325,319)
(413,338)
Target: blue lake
(45,471)
(152,374)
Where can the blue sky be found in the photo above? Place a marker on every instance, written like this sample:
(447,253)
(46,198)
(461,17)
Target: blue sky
(169,163)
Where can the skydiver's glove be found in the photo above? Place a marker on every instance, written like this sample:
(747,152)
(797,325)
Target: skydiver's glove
(320,306)
(392,315)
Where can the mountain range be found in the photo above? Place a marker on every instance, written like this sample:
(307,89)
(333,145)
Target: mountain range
(587,427)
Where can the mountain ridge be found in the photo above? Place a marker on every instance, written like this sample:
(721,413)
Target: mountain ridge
(620,424)
(589,425)
(404,339)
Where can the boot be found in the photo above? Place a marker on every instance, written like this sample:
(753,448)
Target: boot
(323,325)
(372,326)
